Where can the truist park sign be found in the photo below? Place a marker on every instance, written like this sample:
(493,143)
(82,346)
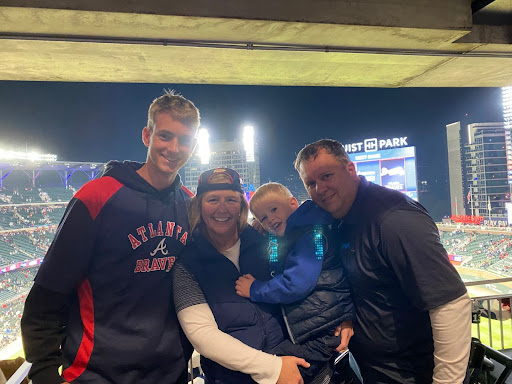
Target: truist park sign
(372,145)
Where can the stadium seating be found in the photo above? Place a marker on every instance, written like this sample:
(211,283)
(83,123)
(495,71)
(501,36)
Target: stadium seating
(28,219)
(59,194)
(10,316)
(480,250)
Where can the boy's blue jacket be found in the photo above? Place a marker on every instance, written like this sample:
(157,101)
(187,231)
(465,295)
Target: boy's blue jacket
(313,289)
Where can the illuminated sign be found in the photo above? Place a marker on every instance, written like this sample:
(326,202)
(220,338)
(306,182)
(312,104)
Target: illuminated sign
(495,222)
(372,145)
(23,264)
(390,168)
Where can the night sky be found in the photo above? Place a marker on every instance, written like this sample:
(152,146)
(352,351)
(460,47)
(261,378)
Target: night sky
(103,121)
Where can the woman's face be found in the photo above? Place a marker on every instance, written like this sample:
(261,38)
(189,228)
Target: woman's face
(220,211)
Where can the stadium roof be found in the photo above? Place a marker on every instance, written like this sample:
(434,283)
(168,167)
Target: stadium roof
(65,169)
(384,43)
(53,166)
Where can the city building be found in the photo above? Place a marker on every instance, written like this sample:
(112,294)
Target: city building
(479,159)
(455,168)
(229,154)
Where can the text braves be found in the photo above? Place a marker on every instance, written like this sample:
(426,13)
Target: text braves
(144,233)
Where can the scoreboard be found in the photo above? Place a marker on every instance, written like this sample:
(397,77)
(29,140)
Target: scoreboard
(391,168)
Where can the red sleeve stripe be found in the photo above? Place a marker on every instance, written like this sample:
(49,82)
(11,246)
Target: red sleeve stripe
(97,192)
(85,350)
(187,191)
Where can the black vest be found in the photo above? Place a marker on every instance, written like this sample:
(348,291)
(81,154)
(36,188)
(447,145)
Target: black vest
(257,325)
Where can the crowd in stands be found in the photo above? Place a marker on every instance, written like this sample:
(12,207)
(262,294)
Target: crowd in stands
(480,250)
(36,195)
(25,244)
(15,217)
(14,287)
(28,220)
(10,317)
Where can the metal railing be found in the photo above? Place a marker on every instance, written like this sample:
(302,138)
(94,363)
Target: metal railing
(490,313)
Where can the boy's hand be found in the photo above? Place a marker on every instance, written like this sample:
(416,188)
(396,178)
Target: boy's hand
(346,331)
(257,226)
(243,285)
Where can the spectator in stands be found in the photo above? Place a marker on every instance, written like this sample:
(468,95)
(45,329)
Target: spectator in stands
(101,304)
(413,314)
(221,325)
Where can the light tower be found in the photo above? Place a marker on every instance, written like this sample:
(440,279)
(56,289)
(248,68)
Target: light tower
(249,143)
(203,144)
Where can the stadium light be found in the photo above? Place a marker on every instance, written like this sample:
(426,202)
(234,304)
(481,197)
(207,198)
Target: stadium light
(249,143)
(30,156)
(203,145)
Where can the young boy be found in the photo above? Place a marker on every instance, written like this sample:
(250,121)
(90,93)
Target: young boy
(308,276)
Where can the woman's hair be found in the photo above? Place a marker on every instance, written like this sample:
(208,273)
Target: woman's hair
(194,209)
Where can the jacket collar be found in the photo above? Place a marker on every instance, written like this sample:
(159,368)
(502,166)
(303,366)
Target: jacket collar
(248,238)
(354,213)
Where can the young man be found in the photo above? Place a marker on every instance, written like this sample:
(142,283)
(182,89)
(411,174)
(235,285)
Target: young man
(413,314)
(308,279)
(101,304)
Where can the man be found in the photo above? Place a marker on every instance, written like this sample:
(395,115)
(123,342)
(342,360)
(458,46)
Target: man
(101,304)
(413,314)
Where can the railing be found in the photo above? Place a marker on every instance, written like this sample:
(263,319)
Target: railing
(491,316)
(20,374)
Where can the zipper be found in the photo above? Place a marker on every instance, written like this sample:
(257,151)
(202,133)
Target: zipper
(287,326)
(262,323)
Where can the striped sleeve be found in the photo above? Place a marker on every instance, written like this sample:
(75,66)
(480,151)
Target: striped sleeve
(187,291)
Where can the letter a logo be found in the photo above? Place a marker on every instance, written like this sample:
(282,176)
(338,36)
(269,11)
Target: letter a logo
(161,247)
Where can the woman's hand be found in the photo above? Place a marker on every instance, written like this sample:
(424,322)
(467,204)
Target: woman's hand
(289,372)
(243,285)
(346,331)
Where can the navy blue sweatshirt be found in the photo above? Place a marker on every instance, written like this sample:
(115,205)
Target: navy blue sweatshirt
(102,301)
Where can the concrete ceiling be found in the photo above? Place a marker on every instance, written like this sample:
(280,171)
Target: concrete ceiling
(372,43)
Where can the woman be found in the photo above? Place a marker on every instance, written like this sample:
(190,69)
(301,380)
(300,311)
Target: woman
(228,330)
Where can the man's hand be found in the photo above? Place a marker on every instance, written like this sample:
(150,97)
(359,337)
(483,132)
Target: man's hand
(243,285)
(289,372)
(346,331)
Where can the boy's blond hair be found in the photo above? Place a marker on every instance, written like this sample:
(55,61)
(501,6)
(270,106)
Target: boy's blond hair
(267,189)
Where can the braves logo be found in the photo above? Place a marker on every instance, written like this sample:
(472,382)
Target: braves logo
(160,247)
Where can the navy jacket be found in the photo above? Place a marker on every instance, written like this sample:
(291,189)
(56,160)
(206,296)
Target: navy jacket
(257,325)
(104,291)
(398,271)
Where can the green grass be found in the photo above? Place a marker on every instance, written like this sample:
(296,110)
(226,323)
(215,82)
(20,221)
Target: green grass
(495,331)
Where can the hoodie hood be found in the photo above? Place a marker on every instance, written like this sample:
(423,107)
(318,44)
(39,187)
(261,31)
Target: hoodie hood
(308,213)
(126,173)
